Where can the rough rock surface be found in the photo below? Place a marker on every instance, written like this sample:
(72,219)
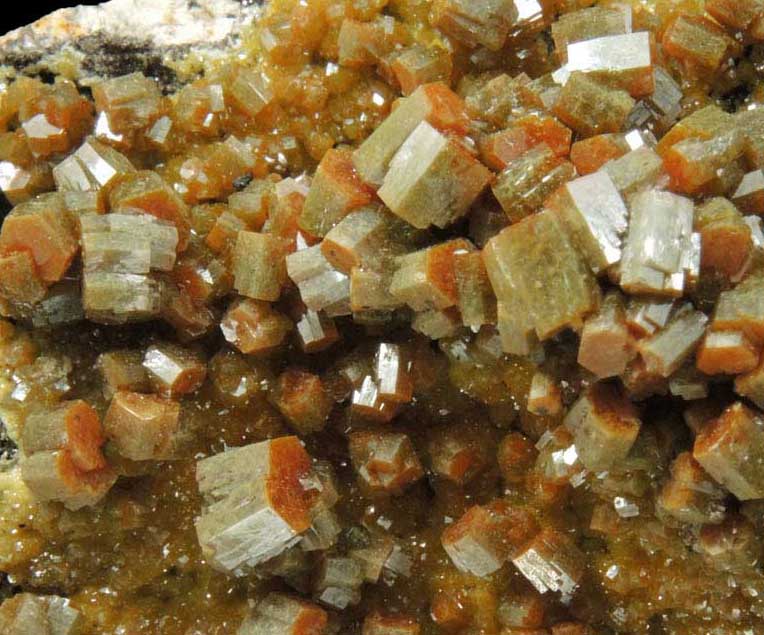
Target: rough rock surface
(172,40)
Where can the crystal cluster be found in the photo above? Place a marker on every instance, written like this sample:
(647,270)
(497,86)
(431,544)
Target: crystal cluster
(120,254)
(403,318)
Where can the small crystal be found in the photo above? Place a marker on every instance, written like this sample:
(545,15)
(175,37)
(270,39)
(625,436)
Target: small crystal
(625,508)
(322,288)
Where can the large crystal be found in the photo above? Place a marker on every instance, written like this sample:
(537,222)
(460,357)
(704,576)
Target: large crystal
(322,288)
(173,370)
(301,397)
(742,309)
(539,277)
(590,23)
(731,449)
(62,456)
(596,217)
(551,562)
(475,22)
(338,582)
(477,302)
(434,103)
(384,461)
(527,181)
(432,179)
(749,195)
(142,427)
(635,171)
(336,190)
(365,43)
(623,61)
(418,65)
(19,282)
(658,242)
(502,99)
(41,228)
(426,279)
(255,503)
(259,265)
(486,536)
(93,166)
(249,90)
(690,495)
(148,192)
(606,344)
(254,327)
(700,44)
(664,352)
(120,297)
(605,425)
(591,108)
(30,614)
(360,239)
(131,102)
(736,14)
(727,353)
(279,614)
(127,243)
(693,164)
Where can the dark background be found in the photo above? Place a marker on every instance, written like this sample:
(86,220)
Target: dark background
(17,13)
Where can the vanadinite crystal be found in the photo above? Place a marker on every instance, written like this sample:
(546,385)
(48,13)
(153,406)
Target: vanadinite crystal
(389,317)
